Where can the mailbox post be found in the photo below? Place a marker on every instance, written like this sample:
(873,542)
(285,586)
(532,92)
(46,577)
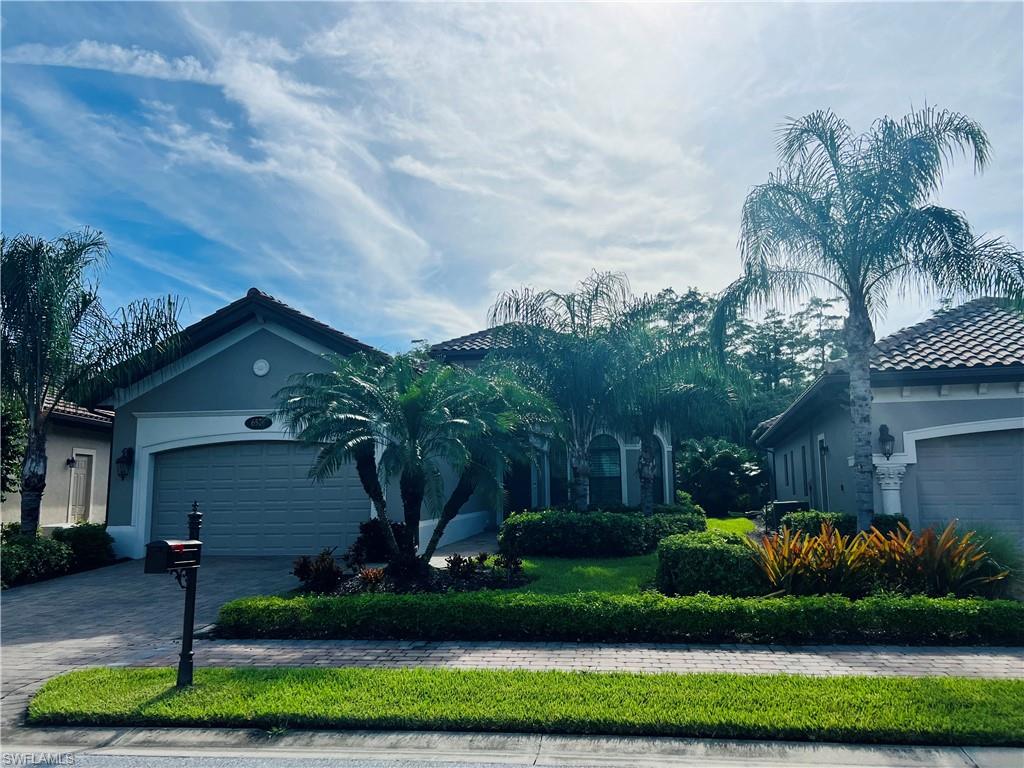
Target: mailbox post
(182,559)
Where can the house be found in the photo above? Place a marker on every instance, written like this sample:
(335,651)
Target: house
(77,468)
(951,392)
(613,457)
(201,428)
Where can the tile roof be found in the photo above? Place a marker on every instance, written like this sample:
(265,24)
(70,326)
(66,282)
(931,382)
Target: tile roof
(479,342)
(80,412)
(982,333)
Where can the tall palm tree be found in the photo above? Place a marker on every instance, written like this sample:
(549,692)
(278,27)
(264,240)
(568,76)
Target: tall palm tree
(566,340)
(408,418)
(60,343)
(852,215)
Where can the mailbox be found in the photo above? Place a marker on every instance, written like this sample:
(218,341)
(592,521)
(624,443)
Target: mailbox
(172,555)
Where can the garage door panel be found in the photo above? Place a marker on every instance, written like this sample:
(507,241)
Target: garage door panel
(257,499)
(976,478)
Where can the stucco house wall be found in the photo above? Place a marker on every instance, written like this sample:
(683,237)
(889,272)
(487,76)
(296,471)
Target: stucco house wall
(64,440)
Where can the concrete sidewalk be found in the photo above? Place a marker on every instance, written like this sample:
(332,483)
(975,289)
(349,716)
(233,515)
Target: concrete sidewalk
(823,660)
(250,747)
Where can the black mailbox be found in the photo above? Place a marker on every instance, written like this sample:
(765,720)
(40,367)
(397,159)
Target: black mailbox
(171,555)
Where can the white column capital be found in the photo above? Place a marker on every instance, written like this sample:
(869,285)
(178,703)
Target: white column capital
(890,475)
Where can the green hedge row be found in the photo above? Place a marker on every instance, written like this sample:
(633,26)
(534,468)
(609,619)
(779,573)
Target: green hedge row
(716,562)
(648,617)
(592,534)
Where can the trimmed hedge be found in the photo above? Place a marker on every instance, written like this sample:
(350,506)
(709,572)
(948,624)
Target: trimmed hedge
(91,545)
(889,523)
(810,522)
(716,562)
(648,617)
(24,559)
(591,534)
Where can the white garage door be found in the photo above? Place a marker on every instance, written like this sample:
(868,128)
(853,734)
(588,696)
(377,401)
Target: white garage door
(977,478)
(256,499)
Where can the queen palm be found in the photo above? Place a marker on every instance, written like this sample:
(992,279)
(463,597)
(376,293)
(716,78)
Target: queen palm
(60,343)
(853,215)
(407,419)
(565,341)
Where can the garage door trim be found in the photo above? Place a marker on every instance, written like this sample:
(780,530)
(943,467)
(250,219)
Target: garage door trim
(912,436)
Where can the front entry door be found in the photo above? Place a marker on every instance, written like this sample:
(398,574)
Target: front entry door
(81,488)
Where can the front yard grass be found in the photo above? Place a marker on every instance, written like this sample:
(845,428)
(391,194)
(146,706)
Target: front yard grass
(610,575)
(952,711)
(731,524)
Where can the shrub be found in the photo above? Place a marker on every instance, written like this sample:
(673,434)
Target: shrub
(647,617)
(318,574)
(830,562)
(911,563)
(810,522)
(91,545)
(24,559)
(684,505)
(716,562)
(889,523)
(591,534)
(721,476)
(371,547)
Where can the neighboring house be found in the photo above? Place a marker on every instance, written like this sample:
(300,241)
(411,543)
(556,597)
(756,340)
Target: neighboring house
(77,468)
(951,392)
(613,457)
(200,429)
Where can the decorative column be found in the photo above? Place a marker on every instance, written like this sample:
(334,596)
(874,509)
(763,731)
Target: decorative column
(890,479)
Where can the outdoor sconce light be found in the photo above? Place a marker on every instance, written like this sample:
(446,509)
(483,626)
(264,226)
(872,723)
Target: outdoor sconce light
(124,463)
(72,462)
(886,441)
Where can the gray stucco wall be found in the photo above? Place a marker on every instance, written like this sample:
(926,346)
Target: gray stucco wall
(61,440)
(900,416)
(223,382)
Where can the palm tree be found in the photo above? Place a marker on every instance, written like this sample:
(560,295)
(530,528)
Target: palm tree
(565,342)
(852,214)
(60,343)
(660,378)
(407,418)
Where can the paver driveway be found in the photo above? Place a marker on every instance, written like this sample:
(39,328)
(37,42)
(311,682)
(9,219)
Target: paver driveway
(114,615)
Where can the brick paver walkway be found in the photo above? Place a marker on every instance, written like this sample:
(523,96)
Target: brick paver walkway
(753,659)
(114,615)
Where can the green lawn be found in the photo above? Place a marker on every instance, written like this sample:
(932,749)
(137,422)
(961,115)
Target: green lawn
(611,575)
(851,709)
(732,524)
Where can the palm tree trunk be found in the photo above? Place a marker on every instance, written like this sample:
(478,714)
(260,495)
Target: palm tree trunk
(646,467)
(366,467)
(859,338)
(580,478)
(413,485)
(33,480)
(459,496)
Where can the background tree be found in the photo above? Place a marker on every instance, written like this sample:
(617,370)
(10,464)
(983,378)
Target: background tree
(851,215)
(722,477)
(60,343)
(821,333)
(13,430)
(567,339)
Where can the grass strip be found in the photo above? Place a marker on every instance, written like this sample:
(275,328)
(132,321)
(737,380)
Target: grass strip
(952,711)
(611,576)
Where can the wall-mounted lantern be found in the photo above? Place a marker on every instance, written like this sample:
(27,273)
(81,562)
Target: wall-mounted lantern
(886,441)
(124,463)
(72,462)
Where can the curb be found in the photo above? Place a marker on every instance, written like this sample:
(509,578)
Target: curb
(508,748)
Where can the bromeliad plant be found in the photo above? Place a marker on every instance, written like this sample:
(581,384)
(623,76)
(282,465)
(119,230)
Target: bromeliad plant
(935,564)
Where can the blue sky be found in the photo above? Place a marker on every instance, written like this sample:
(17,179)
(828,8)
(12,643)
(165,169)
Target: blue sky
(390,168)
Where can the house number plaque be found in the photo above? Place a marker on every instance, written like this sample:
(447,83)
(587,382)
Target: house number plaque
(258,422)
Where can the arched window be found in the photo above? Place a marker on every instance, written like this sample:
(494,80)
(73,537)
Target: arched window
(659,471)
(605,472)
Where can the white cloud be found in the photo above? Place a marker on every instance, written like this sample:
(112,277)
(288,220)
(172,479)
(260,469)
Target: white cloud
(89,54)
